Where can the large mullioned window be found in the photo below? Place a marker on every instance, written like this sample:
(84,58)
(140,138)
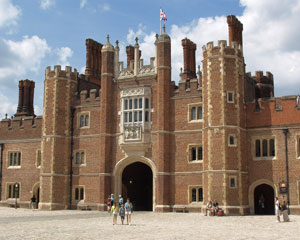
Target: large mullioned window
(265,147)
(136,110)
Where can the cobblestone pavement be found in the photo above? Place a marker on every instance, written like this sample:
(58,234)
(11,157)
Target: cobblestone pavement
(28,224)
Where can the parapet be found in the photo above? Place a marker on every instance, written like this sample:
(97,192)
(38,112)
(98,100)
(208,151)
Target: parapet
(227,49)
(88,97)
(265,79)
(20,128)
(58,72)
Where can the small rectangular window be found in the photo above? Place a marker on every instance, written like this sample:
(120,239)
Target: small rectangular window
(13,190)
(194,158)
(193,113)
(146,103)
(265,147)
(130,117)
(232,182)
(78,193)
(200,195)
(230,97)
(140,116)
(14,159)
(38,158)
(130,103)
(232,140)
(141,103)
(199,153)
(272,147)
(257,148)
(194,195)
(199,112)
(84,120)
(135,103)
(79,157)
(125,104)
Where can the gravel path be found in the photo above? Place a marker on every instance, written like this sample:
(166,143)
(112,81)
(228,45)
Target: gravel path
(28,224)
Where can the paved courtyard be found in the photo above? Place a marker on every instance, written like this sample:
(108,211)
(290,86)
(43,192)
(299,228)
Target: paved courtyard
(28,224)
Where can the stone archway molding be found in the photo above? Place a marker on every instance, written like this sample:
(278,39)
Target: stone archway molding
(252,188)
(122,164)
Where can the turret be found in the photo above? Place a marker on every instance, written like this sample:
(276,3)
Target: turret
(59,89)
(163,45)
(106,107)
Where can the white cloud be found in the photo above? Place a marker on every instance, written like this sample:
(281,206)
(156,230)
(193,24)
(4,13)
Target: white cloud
(46,4)
(83,3)
(106,7)
(63,54)
(6,106)
(21,57)
(9,13)
(270,38)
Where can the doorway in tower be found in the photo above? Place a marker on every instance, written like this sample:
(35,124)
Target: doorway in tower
(264,200)
(36,193)
(137,184)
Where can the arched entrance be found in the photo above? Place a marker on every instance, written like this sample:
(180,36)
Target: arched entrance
(36,193)
(264,200)
(137,184)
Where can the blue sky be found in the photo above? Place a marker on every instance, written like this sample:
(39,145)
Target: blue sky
(35,34)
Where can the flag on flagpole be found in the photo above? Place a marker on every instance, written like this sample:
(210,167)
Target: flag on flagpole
(162,15)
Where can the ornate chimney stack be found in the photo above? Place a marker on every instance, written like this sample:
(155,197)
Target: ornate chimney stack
(26,97)
(189,59)
(93,60)
(235,30)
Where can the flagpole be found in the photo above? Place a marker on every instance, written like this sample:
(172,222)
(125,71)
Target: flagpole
(160,25)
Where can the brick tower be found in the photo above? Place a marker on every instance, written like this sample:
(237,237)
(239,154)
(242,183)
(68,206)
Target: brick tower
(55,169)
(163,44)
(224,132)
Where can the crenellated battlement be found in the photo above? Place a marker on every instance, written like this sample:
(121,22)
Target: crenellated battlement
(58,72)
(261,78)
(26,127)
(229,49)
(88,97)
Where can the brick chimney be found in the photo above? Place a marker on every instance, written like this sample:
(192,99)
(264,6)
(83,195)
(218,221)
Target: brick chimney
(235,28)
(189,59)
(93,60)
(26,97)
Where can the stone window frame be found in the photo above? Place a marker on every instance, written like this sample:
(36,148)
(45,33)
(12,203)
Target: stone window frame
(261,138)
(7,192)
(19,152)
(84,114)
(234,139)
(81,164)
(79,188)
(227,96)
(38,162)
(190,193)
(189,153)
(190,108)
(235,181)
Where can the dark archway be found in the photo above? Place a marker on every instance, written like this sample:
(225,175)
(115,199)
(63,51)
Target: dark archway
(264,200)
(137,184)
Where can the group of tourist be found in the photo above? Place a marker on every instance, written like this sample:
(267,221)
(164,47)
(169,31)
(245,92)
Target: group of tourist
(120,208)
(281,209)
(212,208)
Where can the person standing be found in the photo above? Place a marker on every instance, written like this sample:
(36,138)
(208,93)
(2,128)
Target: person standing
(122,213)
(32,202)
(114,212)
(277,209)
(128,211)
(285,213)
(108,201)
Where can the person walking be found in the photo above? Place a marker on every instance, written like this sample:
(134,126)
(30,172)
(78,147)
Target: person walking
(122,213)
(121,200)
(114,212)
(277,209)
(285,213)
(128,211)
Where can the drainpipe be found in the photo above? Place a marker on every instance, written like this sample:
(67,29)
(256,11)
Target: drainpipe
(1,157)
(71,156)
(285,131)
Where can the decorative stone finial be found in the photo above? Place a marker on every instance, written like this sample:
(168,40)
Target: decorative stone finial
(107,39)
(5,115)
(156,36)
(117,43)
(136,40)
(180,70)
